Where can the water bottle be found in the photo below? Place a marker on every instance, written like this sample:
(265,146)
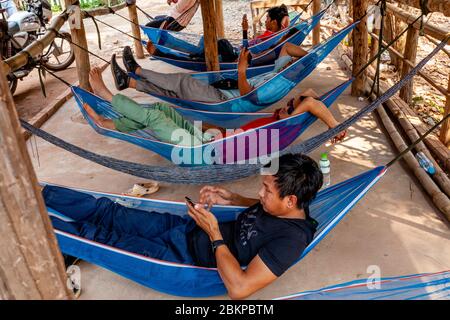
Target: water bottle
(425,163)
(325,167)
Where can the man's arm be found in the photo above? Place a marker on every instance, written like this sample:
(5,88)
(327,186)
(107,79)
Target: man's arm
(217,195)
(243,85)
(239,283)
(242,283)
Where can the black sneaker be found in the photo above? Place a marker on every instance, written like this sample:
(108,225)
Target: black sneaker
(121,78)
(128,60)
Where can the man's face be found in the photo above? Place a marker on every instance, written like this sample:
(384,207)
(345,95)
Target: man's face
(271,25)
(269,197)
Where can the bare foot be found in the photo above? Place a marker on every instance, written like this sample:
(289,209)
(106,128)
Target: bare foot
(98,85)
(92,114)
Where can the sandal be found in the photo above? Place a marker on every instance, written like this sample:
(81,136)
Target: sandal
(339,137)
(142,189)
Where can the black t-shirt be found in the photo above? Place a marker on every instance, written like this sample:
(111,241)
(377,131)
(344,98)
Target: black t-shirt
(279,242)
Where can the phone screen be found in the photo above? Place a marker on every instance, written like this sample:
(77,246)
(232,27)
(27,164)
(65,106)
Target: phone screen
(190,201)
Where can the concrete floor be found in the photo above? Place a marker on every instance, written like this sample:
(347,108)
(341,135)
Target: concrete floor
(394,226)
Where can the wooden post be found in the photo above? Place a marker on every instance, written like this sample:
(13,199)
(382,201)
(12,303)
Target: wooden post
(445,129)
(360,46)
(219,19)
(81,56)
(316,30)
(132,14)
(412,38)
(210,35)
(374,47)
(31,266)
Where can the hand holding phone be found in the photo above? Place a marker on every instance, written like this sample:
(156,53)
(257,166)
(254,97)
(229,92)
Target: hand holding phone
(192,203)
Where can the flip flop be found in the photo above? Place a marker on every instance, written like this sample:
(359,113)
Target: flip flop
(142,189)
(339,137)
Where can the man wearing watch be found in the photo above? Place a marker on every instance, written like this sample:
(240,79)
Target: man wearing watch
(268,237)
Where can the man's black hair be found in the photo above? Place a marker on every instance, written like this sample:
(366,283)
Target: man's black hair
(298,175)
(278,13)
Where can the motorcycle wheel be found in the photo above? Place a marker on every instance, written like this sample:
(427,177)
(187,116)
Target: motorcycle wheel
(12,85)
(59,54)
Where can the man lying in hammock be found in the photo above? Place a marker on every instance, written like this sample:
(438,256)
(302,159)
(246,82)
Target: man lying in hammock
(163,120)
(268,237)
(183,86)
(277,19)
(178,18)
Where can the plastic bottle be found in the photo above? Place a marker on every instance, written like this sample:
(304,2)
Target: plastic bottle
(425,163)
(325,167)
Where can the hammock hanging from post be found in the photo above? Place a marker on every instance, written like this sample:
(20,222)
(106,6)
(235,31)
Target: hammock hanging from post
(248,145)
(270,91)
(268,57)
(329,207)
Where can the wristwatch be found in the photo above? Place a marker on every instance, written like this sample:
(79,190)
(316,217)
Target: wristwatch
(216,244)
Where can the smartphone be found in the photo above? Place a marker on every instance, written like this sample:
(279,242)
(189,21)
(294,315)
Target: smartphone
(193,204)
(190,201)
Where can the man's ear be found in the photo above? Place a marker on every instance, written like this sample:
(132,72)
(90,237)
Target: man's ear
(292,201)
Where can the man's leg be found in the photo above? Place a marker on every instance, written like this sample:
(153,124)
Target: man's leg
(320,111)
(168,127)
(181,84)
(84,208)
(292,50)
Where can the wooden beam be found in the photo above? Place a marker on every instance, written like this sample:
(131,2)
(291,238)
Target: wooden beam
(412,39)
(102,11)
(374,47)
(444,135)
(210,35)
(34,49)
(31,266)
(316,30)
(219,19)
(432,30)
(442,6)
(81,56)
(437,148)
(360,46)
(420,73)
(132,14)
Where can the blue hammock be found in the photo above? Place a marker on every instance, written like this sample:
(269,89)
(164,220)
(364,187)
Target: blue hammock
(177,40)
(425,286)
(247,145)
(184,59)
(329,207)
(269,92)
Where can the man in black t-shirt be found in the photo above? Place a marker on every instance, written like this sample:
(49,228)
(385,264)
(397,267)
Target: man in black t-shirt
(267,238)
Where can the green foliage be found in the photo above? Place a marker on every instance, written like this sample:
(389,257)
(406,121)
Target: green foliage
(91,4)
(56,8)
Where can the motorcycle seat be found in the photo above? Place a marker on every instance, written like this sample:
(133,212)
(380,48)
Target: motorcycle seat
(13,27)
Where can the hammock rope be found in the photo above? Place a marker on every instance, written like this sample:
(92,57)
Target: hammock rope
(222,173)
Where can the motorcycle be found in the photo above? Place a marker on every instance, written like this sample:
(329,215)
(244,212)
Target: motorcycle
(24,27)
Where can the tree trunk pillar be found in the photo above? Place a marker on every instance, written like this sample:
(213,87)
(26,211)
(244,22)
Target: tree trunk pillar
(210,35)
(360,46)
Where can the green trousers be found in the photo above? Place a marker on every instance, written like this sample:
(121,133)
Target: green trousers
(164,122)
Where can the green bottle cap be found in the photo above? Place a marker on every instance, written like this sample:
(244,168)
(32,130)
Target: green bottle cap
(324,156)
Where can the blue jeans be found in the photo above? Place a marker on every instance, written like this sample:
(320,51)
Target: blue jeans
(152,234)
